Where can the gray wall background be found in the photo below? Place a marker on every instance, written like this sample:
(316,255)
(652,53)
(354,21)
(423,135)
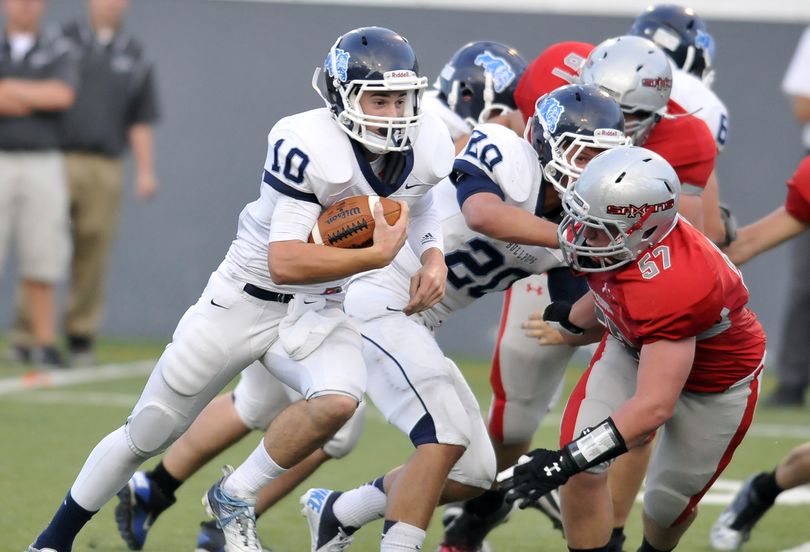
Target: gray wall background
(228,71)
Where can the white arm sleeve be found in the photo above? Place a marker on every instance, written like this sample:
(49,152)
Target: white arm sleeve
(425,228)
(292,219)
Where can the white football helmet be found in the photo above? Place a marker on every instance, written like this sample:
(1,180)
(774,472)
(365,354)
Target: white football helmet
(630,194)
(638,75)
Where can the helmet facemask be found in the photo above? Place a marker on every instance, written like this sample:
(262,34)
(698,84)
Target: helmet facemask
(624,203)
(380,134)
(562,131)
(570,152)
(583,256)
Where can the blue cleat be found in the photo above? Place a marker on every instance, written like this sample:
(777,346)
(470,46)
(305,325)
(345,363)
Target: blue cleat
(325,531)
(140,503)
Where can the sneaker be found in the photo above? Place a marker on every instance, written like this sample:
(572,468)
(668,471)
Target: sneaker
(17,354)
(47,357)
(549,506)
(234,515)
(140,502)
(212,539)
(325,531)
(466,532)
(80,351)
(32,549)
(734,525)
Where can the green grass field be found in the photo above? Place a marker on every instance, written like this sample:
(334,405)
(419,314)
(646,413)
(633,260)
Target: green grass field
(47,434)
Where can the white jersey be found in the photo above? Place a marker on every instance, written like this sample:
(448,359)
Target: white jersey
(499,161)
(311,164)
(696,98)
(457,126)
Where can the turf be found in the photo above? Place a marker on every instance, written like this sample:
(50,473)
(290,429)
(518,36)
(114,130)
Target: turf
(47,434)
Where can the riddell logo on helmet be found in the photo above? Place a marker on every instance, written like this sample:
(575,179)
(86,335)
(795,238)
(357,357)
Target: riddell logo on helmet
(658,83)
(631,211)
(399,75)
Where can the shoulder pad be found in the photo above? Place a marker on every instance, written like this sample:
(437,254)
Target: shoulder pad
(457,126)
(316,134)
(433,150)
(516,160)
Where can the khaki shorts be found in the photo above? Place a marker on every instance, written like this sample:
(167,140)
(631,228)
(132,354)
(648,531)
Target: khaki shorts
(34,213)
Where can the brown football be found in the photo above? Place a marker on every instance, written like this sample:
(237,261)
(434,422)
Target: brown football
(349,223)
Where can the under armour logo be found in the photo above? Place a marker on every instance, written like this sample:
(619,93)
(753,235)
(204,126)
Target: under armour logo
(555,467)
(530,288)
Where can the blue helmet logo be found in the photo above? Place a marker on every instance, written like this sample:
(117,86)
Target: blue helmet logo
(704,41)
(337,63)
(501,71)
(550,111)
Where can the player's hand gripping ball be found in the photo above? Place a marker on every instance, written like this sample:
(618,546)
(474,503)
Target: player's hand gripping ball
(349,223)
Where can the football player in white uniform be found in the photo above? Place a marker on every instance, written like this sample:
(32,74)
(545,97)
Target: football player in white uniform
(276,298)
(493,219)
(479,81)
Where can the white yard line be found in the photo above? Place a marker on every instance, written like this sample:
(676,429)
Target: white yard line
(74,376)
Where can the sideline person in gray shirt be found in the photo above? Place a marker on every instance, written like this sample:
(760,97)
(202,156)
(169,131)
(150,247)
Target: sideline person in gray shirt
(115,107)
(38,76)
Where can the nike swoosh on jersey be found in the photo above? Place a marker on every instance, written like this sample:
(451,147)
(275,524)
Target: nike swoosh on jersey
(392,310)
(218,305)
(409,186)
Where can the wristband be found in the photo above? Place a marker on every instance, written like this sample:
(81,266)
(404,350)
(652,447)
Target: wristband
(596,445)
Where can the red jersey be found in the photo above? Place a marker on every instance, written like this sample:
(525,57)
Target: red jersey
(543,74)
(684,287)
(797,202)
(685,142)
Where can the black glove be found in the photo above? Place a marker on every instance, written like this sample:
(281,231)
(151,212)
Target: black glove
(543,470)
(557,313)
(537,473)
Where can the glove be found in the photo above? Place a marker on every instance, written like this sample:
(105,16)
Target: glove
(729,225)
(557,315)
(535,474)
(543,470)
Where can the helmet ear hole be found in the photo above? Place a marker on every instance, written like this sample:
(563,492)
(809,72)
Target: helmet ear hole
(649,232)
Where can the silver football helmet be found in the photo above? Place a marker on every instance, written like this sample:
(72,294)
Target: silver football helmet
(638,75)
(629,195)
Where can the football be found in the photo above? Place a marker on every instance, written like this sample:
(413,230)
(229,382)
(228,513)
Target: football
(349,223)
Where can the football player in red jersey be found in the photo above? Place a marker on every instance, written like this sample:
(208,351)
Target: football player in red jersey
(638,75)
(682,354)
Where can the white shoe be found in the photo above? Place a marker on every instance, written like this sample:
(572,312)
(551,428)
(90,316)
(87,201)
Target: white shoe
(235,516)
(325,532)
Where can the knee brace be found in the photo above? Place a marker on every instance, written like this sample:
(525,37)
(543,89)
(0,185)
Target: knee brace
(664,506)
(152,429)
(257,415)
